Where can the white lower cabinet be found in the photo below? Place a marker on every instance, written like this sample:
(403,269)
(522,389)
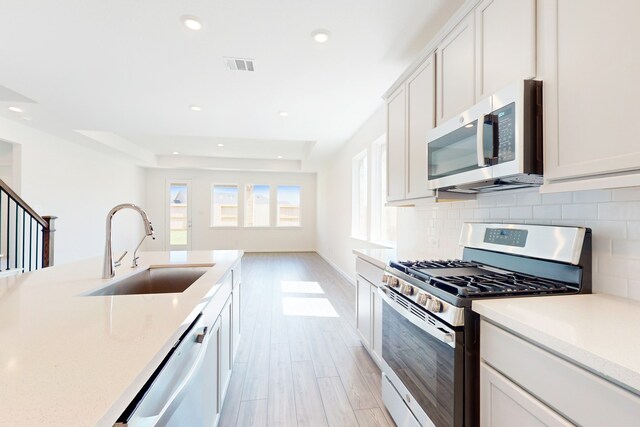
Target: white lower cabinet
(369,308)
(363,310)
(226,346)
(522,384)
(504,404)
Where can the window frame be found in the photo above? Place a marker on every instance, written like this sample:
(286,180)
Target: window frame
(356,226)
(239,206)
(277,216)
(378,199)
(245,210)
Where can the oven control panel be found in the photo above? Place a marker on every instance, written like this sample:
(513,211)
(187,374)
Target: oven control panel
(506,236)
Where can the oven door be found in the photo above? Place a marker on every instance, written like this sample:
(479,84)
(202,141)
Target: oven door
(423,360)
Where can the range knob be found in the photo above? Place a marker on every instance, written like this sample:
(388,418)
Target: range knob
(436,306)
(407,290)
(393,282)
(385,278)
(423,299)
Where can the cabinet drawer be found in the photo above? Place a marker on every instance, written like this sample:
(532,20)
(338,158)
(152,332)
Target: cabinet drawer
(369,271)
(574,392)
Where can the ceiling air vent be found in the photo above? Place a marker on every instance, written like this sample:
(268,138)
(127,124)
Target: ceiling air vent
(238,64)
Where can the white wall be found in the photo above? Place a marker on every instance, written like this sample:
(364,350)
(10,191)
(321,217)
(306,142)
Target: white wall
(334,197)
(78,185)
(613,215)
(270,239)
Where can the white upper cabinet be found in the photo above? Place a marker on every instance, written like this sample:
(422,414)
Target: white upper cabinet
(421,101)
(590,63)
(505,44)
(456,70)
(396,145)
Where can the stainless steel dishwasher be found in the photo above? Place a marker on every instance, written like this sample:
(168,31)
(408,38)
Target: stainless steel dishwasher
(183,390)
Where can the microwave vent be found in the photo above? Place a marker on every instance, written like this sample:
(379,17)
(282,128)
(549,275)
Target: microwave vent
(239,64)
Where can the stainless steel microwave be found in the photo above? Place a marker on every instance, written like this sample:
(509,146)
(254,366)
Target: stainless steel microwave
(495,145)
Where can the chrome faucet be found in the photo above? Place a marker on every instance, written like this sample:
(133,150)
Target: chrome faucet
(109,266)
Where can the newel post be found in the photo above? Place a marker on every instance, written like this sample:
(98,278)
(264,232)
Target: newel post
(47,241)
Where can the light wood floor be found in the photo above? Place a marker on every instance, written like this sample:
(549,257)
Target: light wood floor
(294,370)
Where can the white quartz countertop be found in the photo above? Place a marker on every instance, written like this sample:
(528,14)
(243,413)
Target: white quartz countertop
(599,332)
(377,257)
(68,359)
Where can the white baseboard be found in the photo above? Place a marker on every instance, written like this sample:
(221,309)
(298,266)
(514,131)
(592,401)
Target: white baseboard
(335,267)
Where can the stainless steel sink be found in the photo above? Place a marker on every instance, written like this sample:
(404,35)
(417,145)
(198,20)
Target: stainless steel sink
(154,281)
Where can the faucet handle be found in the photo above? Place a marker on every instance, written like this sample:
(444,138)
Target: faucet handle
(117,263)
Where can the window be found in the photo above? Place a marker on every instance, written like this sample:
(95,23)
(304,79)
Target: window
(288,206)
(383,218)
(178,214)
(224,205)
(359,199)
(256,213)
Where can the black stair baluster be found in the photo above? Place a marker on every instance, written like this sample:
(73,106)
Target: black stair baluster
(15,242)
(37,241)
(23,235)
(1,191)
(30,239)
(8,231)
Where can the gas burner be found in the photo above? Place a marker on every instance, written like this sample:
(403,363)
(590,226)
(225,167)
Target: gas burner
(491,285)
(408,266)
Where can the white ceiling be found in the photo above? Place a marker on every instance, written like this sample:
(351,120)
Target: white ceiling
(129,68)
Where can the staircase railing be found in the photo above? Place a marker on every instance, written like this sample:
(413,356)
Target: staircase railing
(26,238)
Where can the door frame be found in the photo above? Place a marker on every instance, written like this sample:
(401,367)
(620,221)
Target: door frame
(167,210)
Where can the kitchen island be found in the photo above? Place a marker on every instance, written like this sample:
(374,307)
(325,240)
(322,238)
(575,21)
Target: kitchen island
(71,359)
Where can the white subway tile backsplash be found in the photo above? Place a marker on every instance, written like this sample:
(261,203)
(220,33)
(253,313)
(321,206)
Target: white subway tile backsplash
(547,211)
(529,198)
(522,212)
(505,199)
(611,285)
(633,289)
(610,229)
(499,213)
(619,211)
(592,196)
(482,213)
(633,230)
(613,216)
(626,194)
(626,248)
(557,198)
(580,211)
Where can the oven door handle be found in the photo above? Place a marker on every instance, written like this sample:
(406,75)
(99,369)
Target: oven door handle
(446,336)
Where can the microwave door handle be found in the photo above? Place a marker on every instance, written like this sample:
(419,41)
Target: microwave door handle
(480,142)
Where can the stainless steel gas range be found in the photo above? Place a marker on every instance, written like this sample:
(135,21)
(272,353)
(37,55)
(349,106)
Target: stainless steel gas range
(430,336)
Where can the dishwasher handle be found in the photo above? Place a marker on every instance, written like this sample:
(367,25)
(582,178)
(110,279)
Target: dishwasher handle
(177,396)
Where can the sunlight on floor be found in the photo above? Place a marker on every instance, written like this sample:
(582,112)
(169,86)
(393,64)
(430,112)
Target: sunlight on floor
(320,307)
(299,287)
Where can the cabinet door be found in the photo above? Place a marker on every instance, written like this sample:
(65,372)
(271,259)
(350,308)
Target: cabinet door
(235,319)
(396,145)
(456,70)
(225,348)
(590,67)
(505,44)
(376,324)
(421,100)
(504,404)
(363,310)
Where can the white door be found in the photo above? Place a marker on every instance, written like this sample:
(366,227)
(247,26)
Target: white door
(178,215)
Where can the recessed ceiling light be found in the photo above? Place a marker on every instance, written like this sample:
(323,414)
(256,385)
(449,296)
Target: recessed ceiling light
(320,36)
(195,108)
(220,145)
(15,109)
(279,157)
(191,22)
(283,114)
(175,153)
